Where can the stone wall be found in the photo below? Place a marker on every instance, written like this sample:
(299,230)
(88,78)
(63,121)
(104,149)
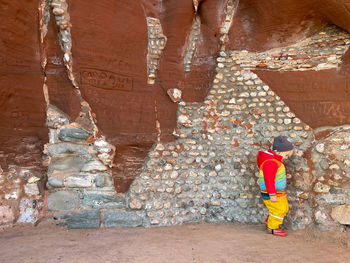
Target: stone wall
(21,196)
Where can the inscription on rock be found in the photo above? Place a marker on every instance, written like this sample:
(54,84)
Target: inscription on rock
(105,80)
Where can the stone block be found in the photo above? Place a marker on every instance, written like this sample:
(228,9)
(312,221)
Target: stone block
(341,214)
(83,220)
(94,165)
(78,181)
(68,163)
(62,200)
(28,211)
(67,148)
(54,183)
(98,201)
(122,218)
(331,199)
(73,134)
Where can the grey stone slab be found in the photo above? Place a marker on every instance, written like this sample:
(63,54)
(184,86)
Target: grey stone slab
(73,134)
(103,201)
(67,148)
(62,200)
(53,182)
(118,217)
(78,181)
(94,165)
(83,220)
(66,163)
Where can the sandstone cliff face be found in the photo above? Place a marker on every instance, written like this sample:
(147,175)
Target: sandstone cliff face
(103,70)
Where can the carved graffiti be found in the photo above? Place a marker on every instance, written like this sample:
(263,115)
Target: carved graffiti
(105,80)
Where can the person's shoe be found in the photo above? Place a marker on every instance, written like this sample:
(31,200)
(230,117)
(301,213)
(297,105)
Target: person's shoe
(276,232)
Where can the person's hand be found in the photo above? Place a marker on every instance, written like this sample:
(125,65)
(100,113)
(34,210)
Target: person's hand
(273,198)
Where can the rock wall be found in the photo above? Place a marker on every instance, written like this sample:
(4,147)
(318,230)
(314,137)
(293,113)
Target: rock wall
(90,102)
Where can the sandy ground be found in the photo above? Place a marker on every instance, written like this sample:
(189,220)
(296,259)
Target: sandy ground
(193,243)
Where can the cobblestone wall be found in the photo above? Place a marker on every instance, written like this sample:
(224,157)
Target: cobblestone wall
(21,195)
(210,174)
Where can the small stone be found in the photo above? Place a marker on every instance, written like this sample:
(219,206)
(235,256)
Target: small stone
(216,203)
(341,214)
(320,147)
(213,173)
(334,167)
(168,167)
(321,188)
(136,205)
(287,121)
(183,119)
(100,180)
(155,222)
(219,76)
(174,94)
(304,196)
(218,167)
(174,175)
(57,11)
(193,174)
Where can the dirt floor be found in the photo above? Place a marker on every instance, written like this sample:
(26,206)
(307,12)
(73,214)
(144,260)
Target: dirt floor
(193,243)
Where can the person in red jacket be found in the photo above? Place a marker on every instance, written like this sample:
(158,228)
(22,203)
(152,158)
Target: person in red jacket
(272,181)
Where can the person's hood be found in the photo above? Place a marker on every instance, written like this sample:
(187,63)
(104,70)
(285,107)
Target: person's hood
(266,155)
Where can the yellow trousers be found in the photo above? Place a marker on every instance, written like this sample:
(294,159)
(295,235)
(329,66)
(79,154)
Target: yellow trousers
(277,211)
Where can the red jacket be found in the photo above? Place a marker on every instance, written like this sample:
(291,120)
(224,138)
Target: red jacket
(269,169)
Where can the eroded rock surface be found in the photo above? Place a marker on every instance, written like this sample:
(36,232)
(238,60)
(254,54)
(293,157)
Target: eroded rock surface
(100,89)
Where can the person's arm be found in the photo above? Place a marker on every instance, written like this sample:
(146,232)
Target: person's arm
(270,169)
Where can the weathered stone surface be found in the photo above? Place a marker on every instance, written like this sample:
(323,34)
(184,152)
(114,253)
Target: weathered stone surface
(31,189)
(93,166)
(210,171)
(28,211)
(62,200)
(78,181)
(67,148)
(73,134)
(100,180)
(72,163)
(54,182)
(98,201)
(85,219)
(114,218)
(341,214)
(6,215)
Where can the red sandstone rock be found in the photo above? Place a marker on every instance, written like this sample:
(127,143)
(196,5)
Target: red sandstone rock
(109,52)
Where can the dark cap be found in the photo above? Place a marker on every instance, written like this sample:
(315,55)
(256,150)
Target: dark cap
(281,144)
